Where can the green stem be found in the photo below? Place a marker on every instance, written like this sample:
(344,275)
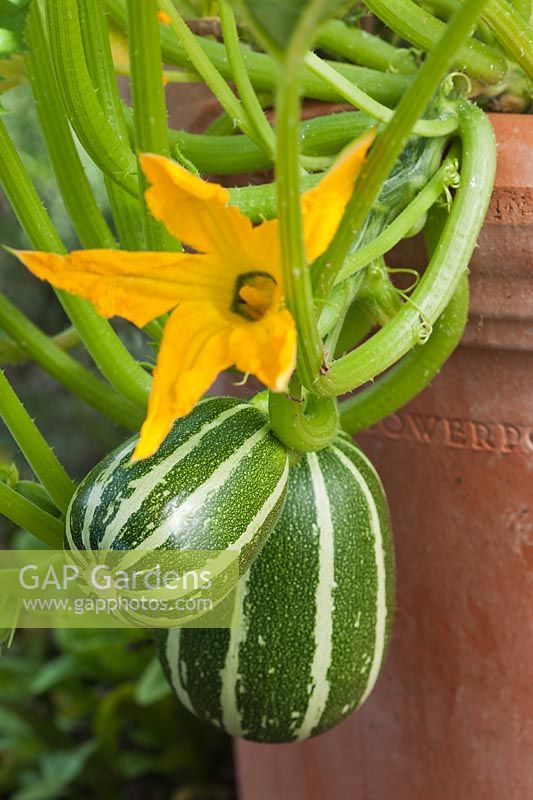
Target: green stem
(296,276)
(229,155)
(74,186)
(126,209)
(252,107)
(303,425)
(149,108)
(354,95)
(88,118)
(392,141)
(512,31)
(204,66)
(260,202)
(446,176)
(33,445)
(447,266)
(263,71)
(79,380)
(111,357)
(424,30)
(364,48)
(26,514)
(38,495)
(413,373)
(12,353)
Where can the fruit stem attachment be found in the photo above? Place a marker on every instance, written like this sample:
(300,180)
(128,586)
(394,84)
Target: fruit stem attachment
(303,425)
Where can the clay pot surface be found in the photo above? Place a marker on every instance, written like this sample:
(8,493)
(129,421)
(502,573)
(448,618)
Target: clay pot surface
(452,714)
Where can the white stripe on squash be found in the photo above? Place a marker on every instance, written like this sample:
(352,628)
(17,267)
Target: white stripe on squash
(229,674)
(173,654)
(145,484)
(381,588)
(324,604)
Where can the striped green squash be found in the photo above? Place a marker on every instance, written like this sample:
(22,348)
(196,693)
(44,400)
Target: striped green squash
(313,613)
(217,482)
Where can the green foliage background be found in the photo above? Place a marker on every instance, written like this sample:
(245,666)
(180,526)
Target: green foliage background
(84,713)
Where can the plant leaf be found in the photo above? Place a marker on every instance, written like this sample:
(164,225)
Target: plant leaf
(152,685)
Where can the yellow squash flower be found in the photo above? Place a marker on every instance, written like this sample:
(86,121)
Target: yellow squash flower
(226,298)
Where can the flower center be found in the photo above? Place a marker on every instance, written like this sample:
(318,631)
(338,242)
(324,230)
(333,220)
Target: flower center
(254,295)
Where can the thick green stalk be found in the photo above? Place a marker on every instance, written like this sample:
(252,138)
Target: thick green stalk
(264,134)
(413,373)
(424,30)
(111,357)
(149,107)
(512,31)
(33,445)
(12,353)
(423,127)
(447,266)
(86,115)
(392,141)
(126,209)
(76,378)
(364,48)
(263,71)
(25,514)
(74,186)
(305,424)
(296,276)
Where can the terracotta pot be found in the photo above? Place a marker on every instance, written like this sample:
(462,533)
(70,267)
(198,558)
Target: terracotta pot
(452,715)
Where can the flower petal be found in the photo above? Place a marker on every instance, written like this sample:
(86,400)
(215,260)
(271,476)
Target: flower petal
(137,286)
(264,250)
(266,348)
(323,206)
(193,210)
(193,351)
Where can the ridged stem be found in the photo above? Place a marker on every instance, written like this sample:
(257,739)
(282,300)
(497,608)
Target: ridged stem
(424,30)
(263,131)
(364,48)
(34,447)
(513,32)
(125,208)
(206,68)
(86,114)
(72,181)
(296,276)
(149,107)
(354,95)
(12,353)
